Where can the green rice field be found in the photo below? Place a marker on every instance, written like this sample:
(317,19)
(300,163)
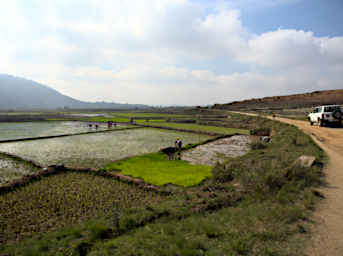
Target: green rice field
(198,127)
(156,169)
(97,150)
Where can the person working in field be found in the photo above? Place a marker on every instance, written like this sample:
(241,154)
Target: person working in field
(178,143)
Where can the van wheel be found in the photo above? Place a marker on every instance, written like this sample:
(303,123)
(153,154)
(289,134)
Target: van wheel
(321,122)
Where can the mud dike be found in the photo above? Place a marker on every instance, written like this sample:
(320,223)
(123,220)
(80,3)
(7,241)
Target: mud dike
(217,151)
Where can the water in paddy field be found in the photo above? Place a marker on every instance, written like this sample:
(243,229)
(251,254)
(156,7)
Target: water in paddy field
(10,131)
(11,169)
(97,150)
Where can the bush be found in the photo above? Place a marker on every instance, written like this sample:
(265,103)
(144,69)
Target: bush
(257,145)
(222,173)
(260,132)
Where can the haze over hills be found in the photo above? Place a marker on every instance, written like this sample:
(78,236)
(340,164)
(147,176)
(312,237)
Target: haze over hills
(303,100)
(22,94)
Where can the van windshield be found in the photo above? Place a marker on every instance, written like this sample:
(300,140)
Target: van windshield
(331,108)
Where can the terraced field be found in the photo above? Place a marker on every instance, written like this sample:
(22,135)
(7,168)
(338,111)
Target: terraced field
(97,150)
(11,169)
(65,198)
(10,131)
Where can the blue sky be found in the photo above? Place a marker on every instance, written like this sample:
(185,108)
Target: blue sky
(323,18)
(167,52)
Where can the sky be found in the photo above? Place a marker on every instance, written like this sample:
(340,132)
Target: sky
(174,52)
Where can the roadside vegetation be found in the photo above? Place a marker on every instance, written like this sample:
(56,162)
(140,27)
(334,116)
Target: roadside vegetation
(256,204)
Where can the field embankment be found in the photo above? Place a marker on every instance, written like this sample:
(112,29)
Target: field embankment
(327,235)
(256,204)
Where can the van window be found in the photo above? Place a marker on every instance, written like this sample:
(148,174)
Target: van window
(331,108)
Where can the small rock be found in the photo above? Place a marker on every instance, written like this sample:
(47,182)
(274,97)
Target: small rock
(305,161)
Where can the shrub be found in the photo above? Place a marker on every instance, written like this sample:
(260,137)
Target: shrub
(257,145)
(260,132)
(222,173)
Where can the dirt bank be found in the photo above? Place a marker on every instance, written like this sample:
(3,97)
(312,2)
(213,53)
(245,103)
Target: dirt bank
(327,236)
(327,233)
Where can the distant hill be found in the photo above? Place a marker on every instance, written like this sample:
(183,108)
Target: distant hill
(22,94)
(287,102)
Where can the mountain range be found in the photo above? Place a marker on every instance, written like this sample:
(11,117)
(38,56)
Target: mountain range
(21,94)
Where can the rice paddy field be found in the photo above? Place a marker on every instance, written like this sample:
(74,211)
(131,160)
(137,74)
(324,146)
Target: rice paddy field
(198,127)
(156,169)
(97,150)
(63,199)
(11,169)
(11,131)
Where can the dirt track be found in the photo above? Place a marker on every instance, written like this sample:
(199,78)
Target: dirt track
(327,233)
(327,236)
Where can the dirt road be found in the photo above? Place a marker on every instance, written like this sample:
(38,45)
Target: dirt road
(327,233)
(327,236)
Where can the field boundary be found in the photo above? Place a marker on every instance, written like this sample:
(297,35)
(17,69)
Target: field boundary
(56,169)
(18,158)
(65,135)
(183,130)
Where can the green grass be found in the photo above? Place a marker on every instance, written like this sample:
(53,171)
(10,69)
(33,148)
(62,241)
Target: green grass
(156,169)
(154,121)
(257,204)
(201,128)
(105,119)
(147,115)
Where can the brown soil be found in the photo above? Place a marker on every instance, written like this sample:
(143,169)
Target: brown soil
(327,238)
(216,151)
(327,233)
(287,101)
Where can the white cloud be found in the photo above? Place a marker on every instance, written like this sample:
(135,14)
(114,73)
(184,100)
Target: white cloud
(151,51)
(291,48)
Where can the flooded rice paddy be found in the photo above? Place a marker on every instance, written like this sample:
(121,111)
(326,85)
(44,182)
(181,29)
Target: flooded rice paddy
(11,169)
(97,150)
(219,150)
(11,131)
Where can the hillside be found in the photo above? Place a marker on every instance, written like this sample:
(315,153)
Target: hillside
(287,102)
(21,94)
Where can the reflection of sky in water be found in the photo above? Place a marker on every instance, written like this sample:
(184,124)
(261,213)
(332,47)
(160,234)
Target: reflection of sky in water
(9,131)
(96,150)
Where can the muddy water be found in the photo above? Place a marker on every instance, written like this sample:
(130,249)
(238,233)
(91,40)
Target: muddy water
(9,131)
(11,169)
(217,151)
(96,150)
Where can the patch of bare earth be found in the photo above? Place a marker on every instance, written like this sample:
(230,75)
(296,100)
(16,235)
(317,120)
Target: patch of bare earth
(327,236)
(213,152)
(327,232)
